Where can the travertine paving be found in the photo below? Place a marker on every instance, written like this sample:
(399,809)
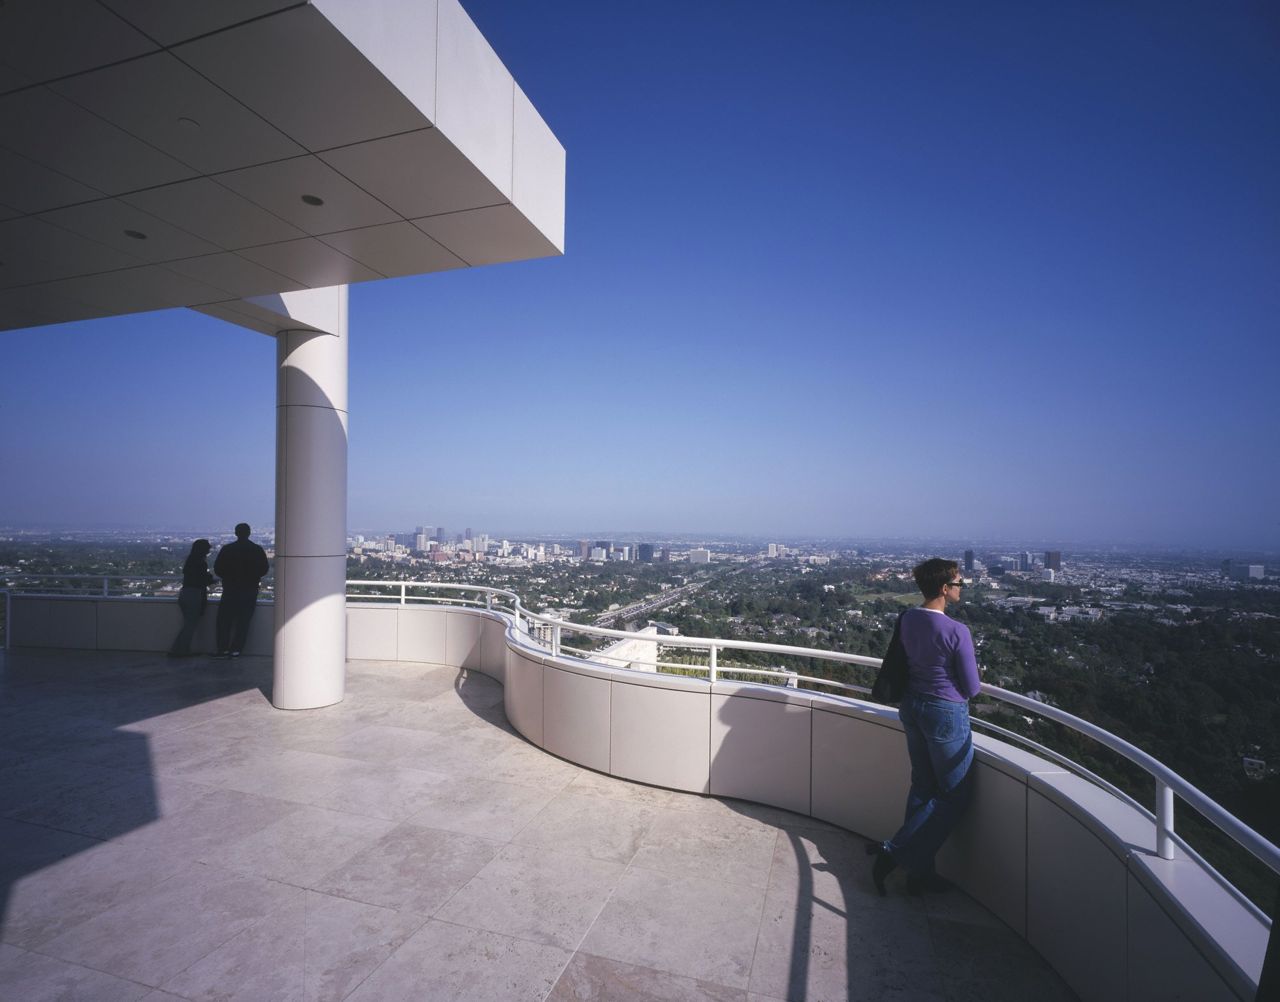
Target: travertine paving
(166,834)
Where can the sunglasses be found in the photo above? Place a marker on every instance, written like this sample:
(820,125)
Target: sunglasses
(955,584)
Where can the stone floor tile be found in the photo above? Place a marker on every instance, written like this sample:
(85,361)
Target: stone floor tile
(401,681)
(26,848)
(597,979)
(154,935)
(682,925)
(212,820)
(478,807)
(120,802)
(410,748)
(589,783)
(411,868)
(681,843)
(974,958)
(529,765)
(49,780)
(747,812)
(48,901)
(337,783)
(444,963)
(816,954)
(176,714)
(30,977)
(302,847)
(578,825)
(267,726)
(833,867)
(316,948)
(536,894)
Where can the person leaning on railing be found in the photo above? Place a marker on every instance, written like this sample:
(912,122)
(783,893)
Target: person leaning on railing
(193,597)
(942,676)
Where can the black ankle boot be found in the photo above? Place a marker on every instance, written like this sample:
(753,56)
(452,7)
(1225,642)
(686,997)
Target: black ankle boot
(882,867)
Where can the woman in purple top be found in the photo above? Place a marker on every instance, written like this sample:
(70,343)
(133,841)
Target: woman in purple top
(942,677)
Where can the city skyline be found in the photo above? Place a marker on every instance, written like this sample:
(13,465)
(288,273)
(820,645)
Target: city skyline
(890,273)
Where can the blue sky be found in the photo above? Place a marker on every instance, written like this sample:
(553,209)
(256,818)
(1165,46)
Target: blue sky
(865,269)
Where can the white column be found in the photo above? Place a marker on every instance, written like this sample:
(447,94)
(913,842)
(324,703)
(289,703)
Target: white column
(311,501)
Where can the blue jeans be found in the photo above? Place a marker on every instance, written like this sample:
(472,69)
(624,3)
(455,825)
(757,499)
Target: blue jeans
(940,747)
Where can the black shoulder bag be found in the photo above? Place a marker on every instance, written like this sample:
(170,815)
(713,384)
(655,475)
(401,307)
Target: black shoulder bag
(891,680)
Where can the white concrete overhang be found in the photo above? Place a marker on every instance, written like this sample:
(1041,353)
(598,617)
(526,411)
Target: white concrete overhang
(164,153)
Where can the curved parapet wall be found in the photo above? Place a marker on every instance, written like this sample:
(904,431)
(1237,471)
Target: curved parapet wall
(1064,863)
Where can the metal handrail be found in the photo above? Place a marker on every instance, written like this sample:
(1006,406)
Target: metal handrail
(102,582)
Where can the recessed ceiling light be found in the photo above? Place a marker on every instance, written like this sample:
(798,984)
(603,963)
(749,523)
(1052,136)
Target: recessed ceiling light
(136,234)
(313,199)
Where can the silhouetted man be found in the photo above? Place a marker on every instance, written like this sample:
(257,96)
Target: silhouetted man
(241,565)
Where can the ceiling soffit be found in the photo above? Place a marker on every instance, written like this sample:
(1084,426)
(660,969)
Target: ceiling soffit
(158,153)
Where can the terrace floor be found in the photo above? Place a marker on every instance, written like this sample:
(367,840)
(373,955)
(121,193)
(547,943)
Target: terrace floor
(166,834)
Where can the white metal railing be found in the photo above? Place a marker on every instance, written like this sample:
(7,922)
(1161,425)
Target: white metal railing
(1168,784)
(104,585)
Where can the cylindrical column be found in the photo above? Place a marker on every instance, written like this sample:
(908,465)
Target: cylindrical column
(311,507)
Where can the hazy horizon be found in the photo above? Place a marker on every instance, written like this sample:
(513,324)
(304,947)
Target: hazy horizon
(689,536)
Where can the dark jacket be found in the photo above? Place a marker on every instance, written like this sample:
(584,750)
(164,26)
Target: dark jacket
(240,565)
(195,573)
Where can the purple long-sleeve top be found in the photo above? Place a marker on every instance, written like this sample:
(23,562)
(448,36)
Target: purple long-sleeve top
(940,656)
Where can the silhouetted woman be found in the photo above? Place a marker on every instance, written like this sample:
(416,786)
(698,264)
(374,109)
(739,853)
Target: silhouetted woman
(193,597)
(942,676)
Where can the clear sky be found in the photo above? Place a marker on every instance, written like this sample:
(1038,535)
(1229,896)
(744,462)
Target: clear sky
(855,268)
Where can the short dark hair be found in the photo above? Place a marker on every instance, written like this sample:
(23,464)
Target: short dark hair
(242,530)
(934,574)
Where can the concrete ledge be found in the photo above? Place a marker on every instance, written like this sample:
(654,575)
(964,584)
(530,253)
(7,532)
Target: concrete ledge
(98,623)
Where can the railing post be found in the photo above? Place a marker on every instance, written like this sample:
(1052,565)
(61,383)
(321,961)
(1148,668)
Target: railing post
(403,588)
(1164,820)
(711,665)
(555,640)
(105,586)
(488,600)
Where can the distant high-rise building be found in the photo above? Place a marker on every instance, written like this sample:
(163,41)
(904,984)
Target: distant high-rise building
(467,534)
(699,556)
(773,549)
(644,553)
(1053,560)
(439,533)
(584,549)
(665,556)
(599,553)
(968,561)
(1241,571)
(1024,561)
(605,545)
